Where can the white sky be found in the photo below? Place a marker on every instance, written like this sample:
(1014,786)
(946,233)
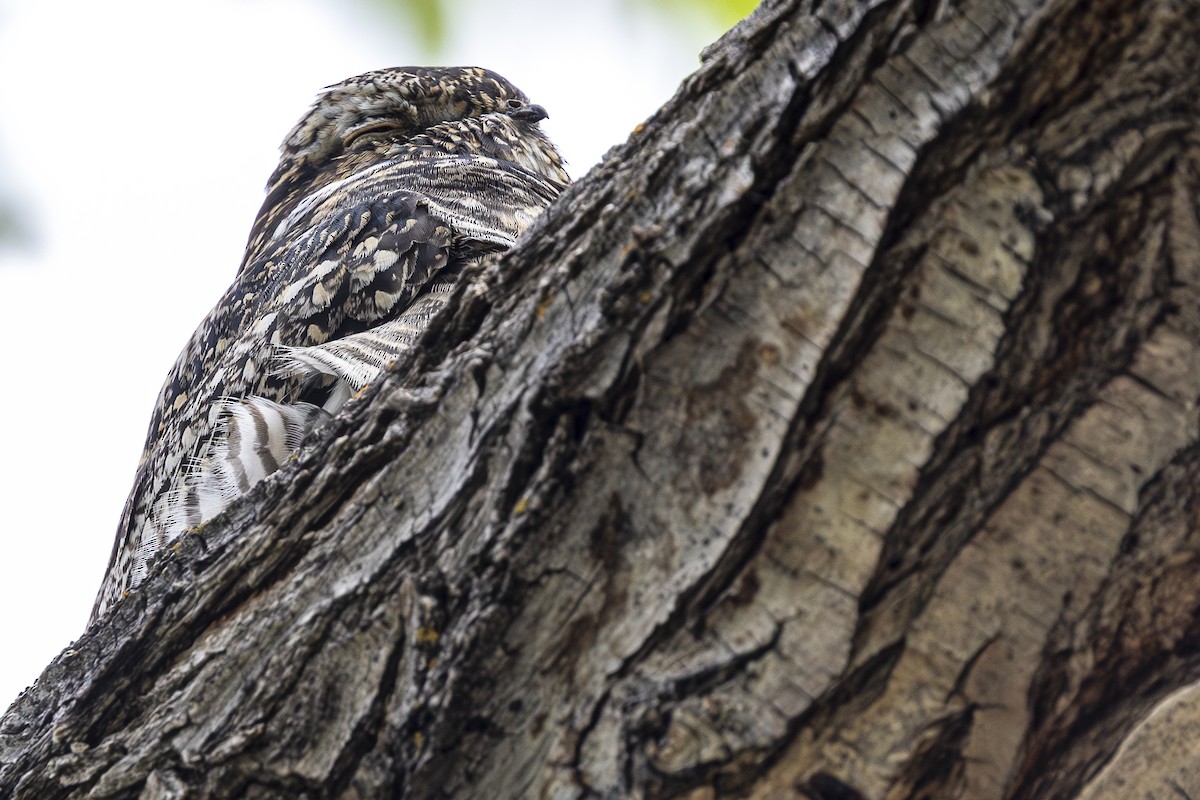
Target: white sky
(138,136)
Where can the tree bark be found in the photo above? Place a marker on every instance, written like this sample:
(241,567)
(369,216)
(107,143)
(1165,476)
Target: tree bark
(835,438)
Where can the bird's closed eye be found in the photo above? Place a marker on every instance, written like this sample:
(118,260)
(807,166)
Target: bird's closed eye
(377,126)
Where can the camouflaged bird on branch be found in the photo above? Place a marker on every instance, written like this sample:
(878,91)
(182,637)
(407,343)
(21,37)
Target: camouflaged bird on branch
(392,184)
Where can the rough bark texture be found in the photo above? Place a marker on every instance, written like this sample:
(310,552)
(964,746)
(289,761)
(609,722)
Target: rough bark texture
(836,438)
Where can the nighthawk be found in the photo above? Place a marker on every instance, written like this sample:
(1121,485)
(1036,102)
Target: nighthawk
(387,189)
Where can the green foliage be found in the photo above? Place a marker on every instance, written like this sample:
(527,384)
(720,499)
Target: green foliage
(430,18)
(726,13)
(427,18)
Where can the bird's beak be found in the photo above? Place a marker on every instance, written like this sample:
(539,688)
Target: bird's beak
(534,113)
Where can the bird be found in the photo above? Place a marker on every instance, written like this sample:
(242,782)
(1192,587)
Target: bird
(393,184)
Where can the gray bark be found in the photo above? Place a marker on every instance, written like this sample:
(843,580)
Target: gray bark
(837,437)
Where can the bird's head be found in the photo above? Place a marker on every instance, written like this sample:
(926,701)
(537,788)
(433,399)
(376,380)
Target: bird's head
(393,104)
(365,120)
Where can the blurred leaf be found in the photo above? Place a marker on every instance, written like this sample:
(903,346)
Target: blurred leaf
(14,228)
(426,17)
(725,13)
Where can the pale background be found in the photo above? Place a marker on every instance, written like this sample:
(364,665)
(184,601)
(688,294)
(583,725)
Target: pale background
(135,139)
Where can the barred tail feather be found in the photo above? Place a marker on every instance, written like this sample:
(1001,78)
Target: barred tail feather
(254,437)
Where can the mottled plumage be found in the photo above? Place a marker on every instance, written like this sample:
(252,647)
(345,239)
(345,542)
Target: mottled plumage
(387,189)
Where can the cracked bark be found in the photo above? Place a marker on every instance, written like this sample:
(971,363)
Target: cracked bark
(837,437)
